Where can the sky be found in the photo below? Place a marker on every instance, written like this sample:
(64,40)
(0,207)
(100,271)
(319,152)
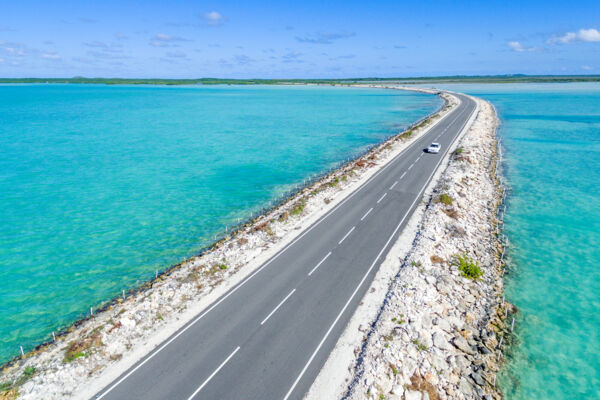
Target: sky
(308,39)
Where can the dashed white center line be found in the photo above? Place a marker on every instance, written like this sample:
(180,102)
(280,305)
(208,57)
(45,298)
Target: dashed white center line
(367,213)
(278,305)
(214,373)
(402,176)
(344,238)
(411,165)
(391,187)
(381,198)
(319,264)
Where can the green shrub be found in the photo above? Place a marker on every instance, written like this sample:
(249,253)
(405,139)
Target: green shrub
(445,199)
(467,266)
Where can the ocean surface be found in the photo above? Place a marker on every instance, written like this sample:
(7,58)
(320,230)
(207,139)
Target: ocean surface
(101,186)
(551,137)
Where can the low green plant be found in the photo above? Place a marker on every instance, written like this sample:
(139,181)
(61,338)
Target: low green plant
(222,266)
(299,206)
(29,371)
(445,199)
(334,182)
(468,267)
(458,151)
(420,346)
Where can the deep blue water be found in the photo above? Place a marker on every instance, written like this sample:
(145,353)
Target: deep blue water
(102,185)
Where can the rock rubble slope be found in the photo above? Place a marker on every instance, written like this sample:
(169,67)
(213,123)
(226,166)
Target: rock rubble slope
(437,334)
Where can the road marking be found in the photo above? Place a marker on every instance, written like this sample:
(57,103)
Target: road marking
(381,198)
(319,264)
(235,288)
(402,176)
(391,187)
(214,373)
(344,238)
(411,165)
(418,158)
(367,213)
(279,305)
(365,276)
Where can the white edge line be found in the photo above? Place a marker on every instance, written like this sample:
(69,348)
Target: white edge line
(381,198)
(214,373)
(233,290)
(369,270)
(367,213)
(277,308)
(319,264)
(346,235)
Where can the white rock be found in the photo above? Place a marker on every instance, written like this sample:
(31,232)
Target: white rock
(412,395)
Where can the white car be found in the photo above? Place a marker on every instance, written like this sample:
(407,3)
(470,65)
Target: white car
(434,148)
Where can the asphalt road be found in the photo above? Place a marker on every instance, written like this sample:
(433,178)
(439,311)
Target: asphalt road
(268,337)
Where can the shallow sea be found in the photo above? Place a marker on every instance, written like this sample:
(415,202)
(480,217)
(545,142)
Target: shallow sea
(551,137)
(100,186)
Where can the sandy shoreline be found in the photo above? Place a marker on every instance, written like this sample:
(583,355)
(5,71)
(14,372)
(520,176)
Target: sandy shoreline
(92,352)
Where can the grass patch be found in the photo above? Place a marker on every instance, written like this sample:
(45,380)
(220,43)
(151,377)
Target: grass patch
(445,199)
(468,267)
(334,182)
(298,207)
(82,348)
(222,266)
(420,346)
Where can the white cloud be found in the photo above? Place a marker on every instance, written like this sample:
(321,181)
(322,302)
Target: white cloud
(587,67)
(50,55)
(324,37)
(213,18)
(164,40)
(517,46)
(582,35)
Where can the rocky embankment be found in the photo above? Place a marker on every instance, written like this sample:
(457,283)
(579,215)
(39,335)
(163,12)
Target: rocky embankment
(93,352)
(438,334)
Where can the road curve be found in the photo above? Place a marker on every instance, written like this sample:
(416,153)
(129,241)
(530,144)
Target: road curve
(268,337)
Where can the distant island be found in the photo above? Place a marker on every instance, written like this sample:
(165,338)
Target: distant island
(517,78)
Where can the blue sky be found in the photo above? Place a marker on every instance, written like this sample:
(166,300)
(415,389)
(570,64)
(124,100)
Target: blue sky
(190,39)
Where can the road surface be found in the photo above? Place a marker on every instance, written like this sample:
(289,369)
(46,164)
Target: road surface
(268,337)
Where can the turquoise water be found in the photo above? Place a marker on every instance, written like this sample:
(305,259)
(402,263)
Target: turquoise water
(551,136)
(102,185)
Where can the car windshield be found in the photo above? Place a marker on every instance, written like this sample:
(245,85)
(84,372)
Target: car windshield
(435,145)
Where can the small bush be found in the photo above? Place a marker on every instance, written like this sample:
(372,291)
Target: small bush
(299,206)
(420,346)
(445,199)
(467,266)
(458,151)
(222,266)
